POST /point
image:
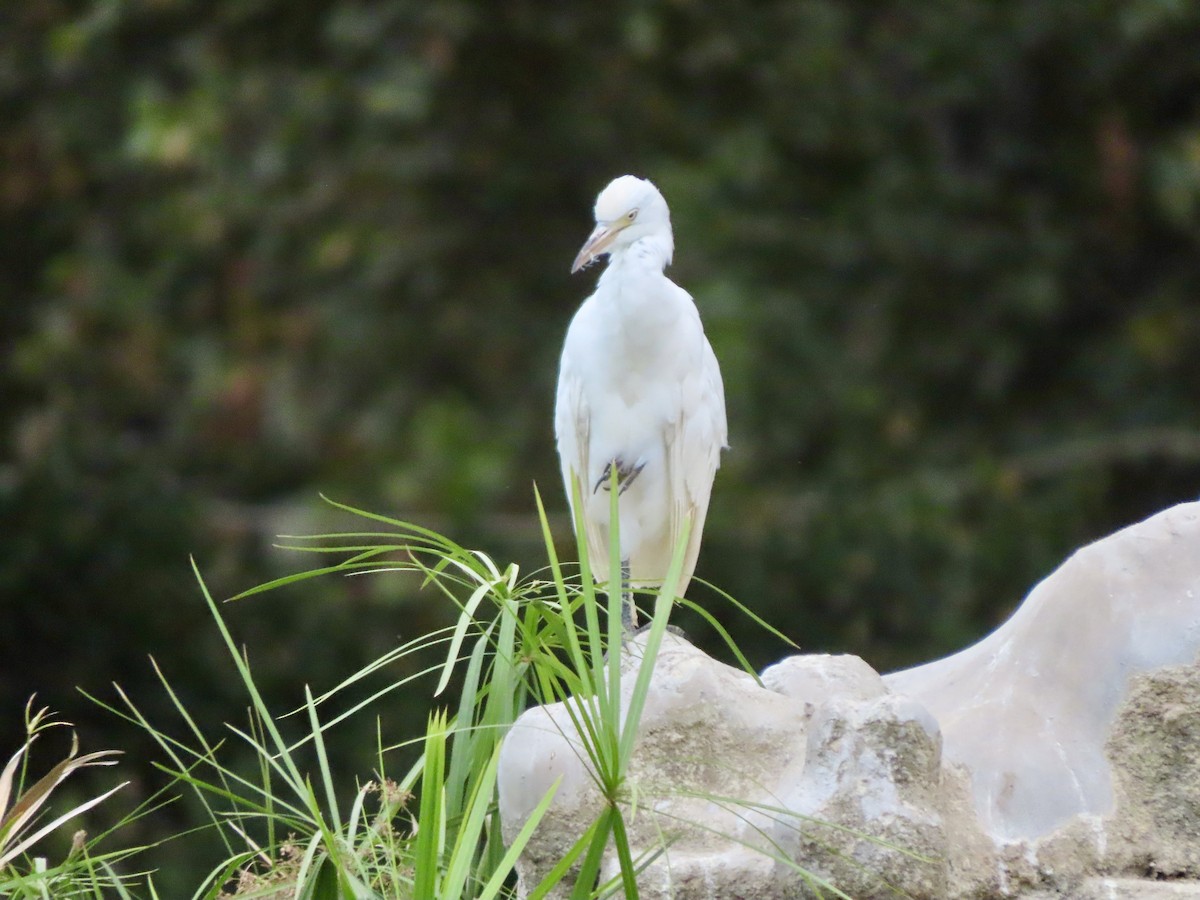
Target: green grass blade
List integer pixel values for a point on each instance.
(430, 824)
(463, 756)
(495, 884)
(658, 626)
(323, 761)
(594, 660)
(465, 618)
(725, 636)
(554, 877)
(248, 682)
(458, 867)
(624, 856)
(749, 613)
(589, 871)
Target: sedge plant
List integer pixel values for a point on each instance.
(432, 830)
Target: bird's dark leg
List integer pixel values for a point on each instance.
(627, 473)
(628, 610)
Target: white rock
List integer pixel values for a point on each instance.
(1028, 708)
(1061, 753)
(1125, 889)
(816, 678)
(706, 727)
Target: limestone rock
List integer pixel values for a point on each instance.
(540, 750)
(871, 784)
(1155, 751)
(1058, 757)
(706, 728)
(1027, 709)
(816, 678)
(1124, 889)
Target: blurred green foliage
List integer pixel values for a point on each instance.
(947, 254)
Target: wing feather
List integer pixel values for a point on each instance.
(694, 443)
(572, 428)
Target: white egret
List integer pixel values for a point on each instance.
(639, 390)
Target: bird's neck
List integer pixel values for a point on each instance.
(649, 254)
(634, 289)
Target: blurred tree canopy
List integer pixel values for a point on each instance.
(947, 254)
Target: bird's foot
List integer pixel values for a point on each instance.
(626, 474)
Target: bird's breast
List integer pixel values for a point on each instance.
(634, 345)
(629, 343)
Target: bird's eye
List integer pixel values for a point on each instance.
(631, 215)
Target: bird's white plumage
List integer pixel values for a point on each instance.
(639, 385)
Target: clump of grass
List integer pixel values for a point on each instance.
(433, 830)
(274, 880)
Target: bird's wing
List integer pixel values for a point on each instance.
(694, 444)
(572, 430)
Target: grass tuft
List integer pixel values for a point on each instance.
(432, 831)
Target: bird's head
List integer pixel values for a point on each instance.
(629, 209)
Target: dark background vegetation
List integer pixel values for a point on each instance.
(947, 254)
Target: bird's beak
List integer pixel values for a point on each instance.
(597, 243)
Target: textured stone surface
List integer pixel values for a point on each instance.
(1050, 678)
(1059, 757)
(706, 727)
(1155, 750)
(1123, 889)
